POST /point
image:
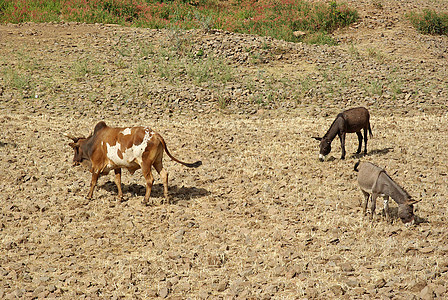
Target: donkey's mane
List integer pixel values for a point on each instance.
(398, 186)
(340, 115)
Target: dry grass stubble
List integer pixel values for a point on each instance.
(261, 217)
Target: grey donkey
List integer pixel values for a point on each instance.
(374, 181)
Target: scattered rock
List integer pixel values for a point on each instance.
(380, 283)
(163, 292)
(346, 267)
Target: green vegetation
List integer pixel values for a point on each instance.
(85, 67)
(276, 18)
(430, 22)
(16, 79)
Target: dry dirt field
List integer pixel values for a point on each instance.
(262, 217)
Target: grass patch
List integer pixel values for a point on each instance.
(320, 38)
(430, 22)
(198, 69)
(354, 52)
(275, 18)
(17, 80)
(85, 67)
(376, 54)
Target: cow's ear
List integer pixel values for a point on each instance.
(317, 138)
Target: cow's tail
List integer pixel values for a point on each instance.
(190, 165)
(356, 166)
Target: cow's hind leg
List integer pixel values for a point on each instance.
(149, 182)
(359, 142)
(93, 184)
(164, 176)
(118, 183)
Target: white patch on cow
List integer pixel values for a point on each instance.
(126, 131)
(131, 156)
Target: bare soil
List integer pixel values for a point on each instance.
(262, 217)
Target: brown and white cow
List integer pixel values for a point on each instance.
(133, 148)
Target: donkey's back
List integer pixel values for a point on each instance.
(368, 175)
(356, 119)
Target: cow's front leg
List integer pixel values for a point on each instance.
(118, 183)
(92, 184)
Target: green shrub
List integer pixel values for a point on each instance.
(275, 18)
(430, 22)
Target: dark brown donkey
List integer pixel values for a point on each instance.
(348, 121)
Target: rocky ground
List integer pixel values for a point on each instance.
(262, 217)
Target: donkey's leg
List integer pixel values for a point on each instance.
(386, 207)
(373, 205)
(366, 201)
(359, 142)
(342, 138)
(365, 142)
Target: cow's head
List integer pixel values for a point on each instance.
(76, 145)
(325, 147)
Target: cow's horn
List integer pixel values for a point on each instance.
(75, 139)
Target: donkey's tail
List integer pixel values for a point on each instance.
(190, 165)
(356, 166)
(370, 131)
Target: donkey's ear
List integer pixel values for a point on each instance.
(317, 138)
